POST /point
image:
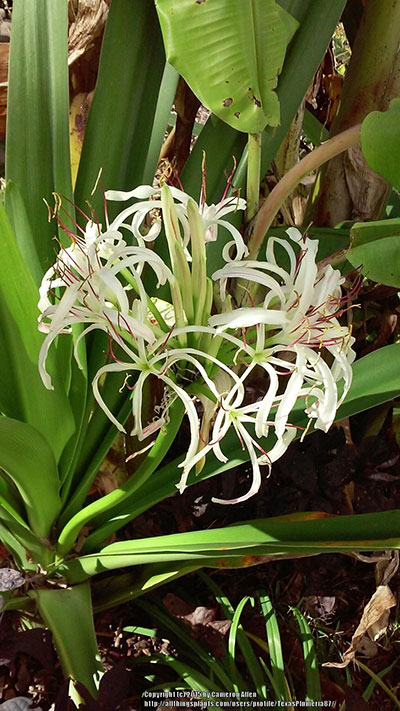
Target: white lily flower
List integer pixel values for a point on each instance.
(232, 413)
(295, 325)
(211, 216)
(93, 295)
(288, 333)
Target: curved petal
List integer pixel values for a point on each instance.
(246, 317)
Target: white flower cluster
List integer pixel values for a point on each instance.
(289, 329)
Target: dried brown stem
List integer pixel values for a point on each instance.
(287, 184)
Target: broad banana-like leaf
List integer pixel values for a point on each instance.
(318, 22)
(22, 393)
(231, 53)
(28, 460)
(378, 260)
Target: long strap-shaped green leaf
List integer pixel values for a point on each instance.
(247, 544)
(37, 146)
(22, 393)
(93, 454)
(21, 542)
(313, 684)
(68, 614)
(275, 648)
(120, 122)
(19, 219)
(124, 134)
(28, 460)
(157, 453)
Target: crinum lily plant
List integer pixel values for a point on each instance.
(206, 337)
(153, 321)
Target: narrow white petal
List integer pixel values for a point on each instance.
(280, 447)
(112, 368)
(246, 317)
(143, 192)
(263, 415)
(270, 253)
(291, 394)
(256, 482)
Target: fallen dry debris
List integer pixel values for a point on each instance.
(88, 18)
(205, 628)
(375, 618)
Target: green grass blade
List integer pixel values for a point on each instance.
(313, 684)
(187, 645)
(221, 598)
(372, 684)
(275, 648)
(377, 679)
(236, 635)
(37, 145)
(275, 688)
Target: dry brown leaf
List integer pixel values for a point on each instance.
(386, 568)
(88, 18)
(107, 481)
(373, 625)
(204, 627)
(176, 606)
